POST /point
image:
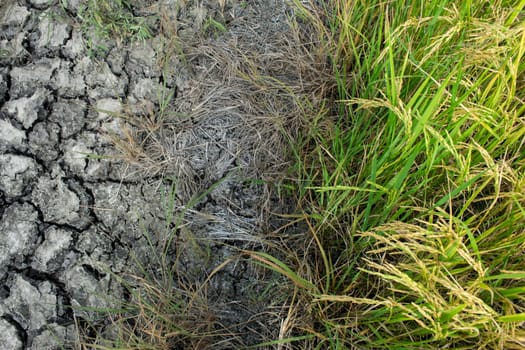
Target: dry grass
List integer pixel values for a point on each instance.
(156, 317)
(233, 120)
(244, 106)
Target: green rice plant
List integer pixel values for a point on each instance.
(414, 194)
(411, 124)
(440, 283)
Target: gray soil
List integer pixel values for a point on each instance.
(73, 222)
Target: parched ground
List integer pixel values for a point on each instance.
(103, 140)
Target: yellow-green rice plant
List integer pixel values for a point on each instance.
(415, 194)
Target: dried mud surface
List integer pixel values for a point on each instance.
(71, 220)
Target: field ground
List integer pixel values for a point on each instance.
(265, 174)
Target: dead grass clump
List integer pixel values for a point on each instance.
(253, 91)
(160, 318)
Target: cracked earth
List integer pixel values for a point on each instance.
(75, 212)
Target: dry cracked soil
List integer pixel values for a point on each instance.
(102, 140)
